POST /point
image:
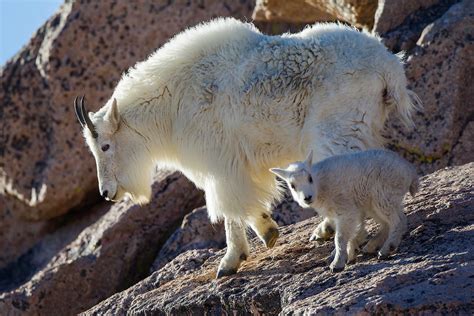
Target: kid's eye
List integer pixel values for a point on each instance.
(293, 186)
(310, 179)
(105, 147)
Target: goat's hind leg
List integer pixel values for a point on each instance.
(356, 240)
(397, 227)
(377, 241)
(237, 248)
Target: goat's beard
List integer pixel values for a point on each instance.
(136, 197)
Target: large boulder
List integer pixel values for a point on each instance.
(440, 69)
(432, 270)
(392, 13)
(95, 255)
(357, 12)
(16, 235)
(82, 49)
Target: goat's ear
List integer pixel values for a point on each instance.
(112, 115)
(281, 173)
(309, 159)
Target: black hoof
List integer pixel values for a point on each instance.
(271, 237)
(225, 272)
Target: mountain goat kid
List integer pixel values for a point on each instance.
(223, 103)
(349, 188)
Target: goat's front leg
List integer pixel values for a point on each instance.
(237, 248)
(265, 228)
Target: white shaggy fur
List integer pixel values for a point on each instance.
(349, 188)
(223, 103)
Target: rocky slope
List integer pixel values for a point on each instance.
(63, 250)
(433, 270)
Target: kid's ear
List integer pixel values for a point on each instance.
(309, 159)
(281, 173)
(112, 115)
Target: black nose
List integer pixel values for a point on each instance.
(308, 198)
(105, 194)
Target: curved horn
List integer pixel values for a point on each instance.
(79, 115)
(87, 119)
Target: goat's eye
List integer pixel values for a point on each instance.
(105, 147)
(310, 179)
(293, 186)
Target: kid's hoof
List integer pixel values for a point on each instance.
(271, 237)
(225, 272)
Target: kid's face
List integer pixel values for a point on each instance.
(302, 189)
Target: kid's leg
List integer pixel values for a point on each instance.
(345, 229)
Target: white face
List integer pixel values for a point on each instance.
(301, 187)
(299, 180)
(104, 149)
(116, 151)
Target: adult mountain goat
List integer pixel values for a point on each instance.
(223, 103)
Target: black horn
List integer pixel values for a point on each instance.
(83, 116)
(79, 116)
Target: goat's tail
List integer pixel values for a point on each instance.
(396, 94)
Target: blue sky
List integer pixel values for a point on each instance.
(19, 19)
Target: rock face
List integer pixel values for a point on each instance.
(391, 13)
(440, 69)
(357, 12)
(16, 235)
(103, 253)
(298, 11)
(432, 271)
